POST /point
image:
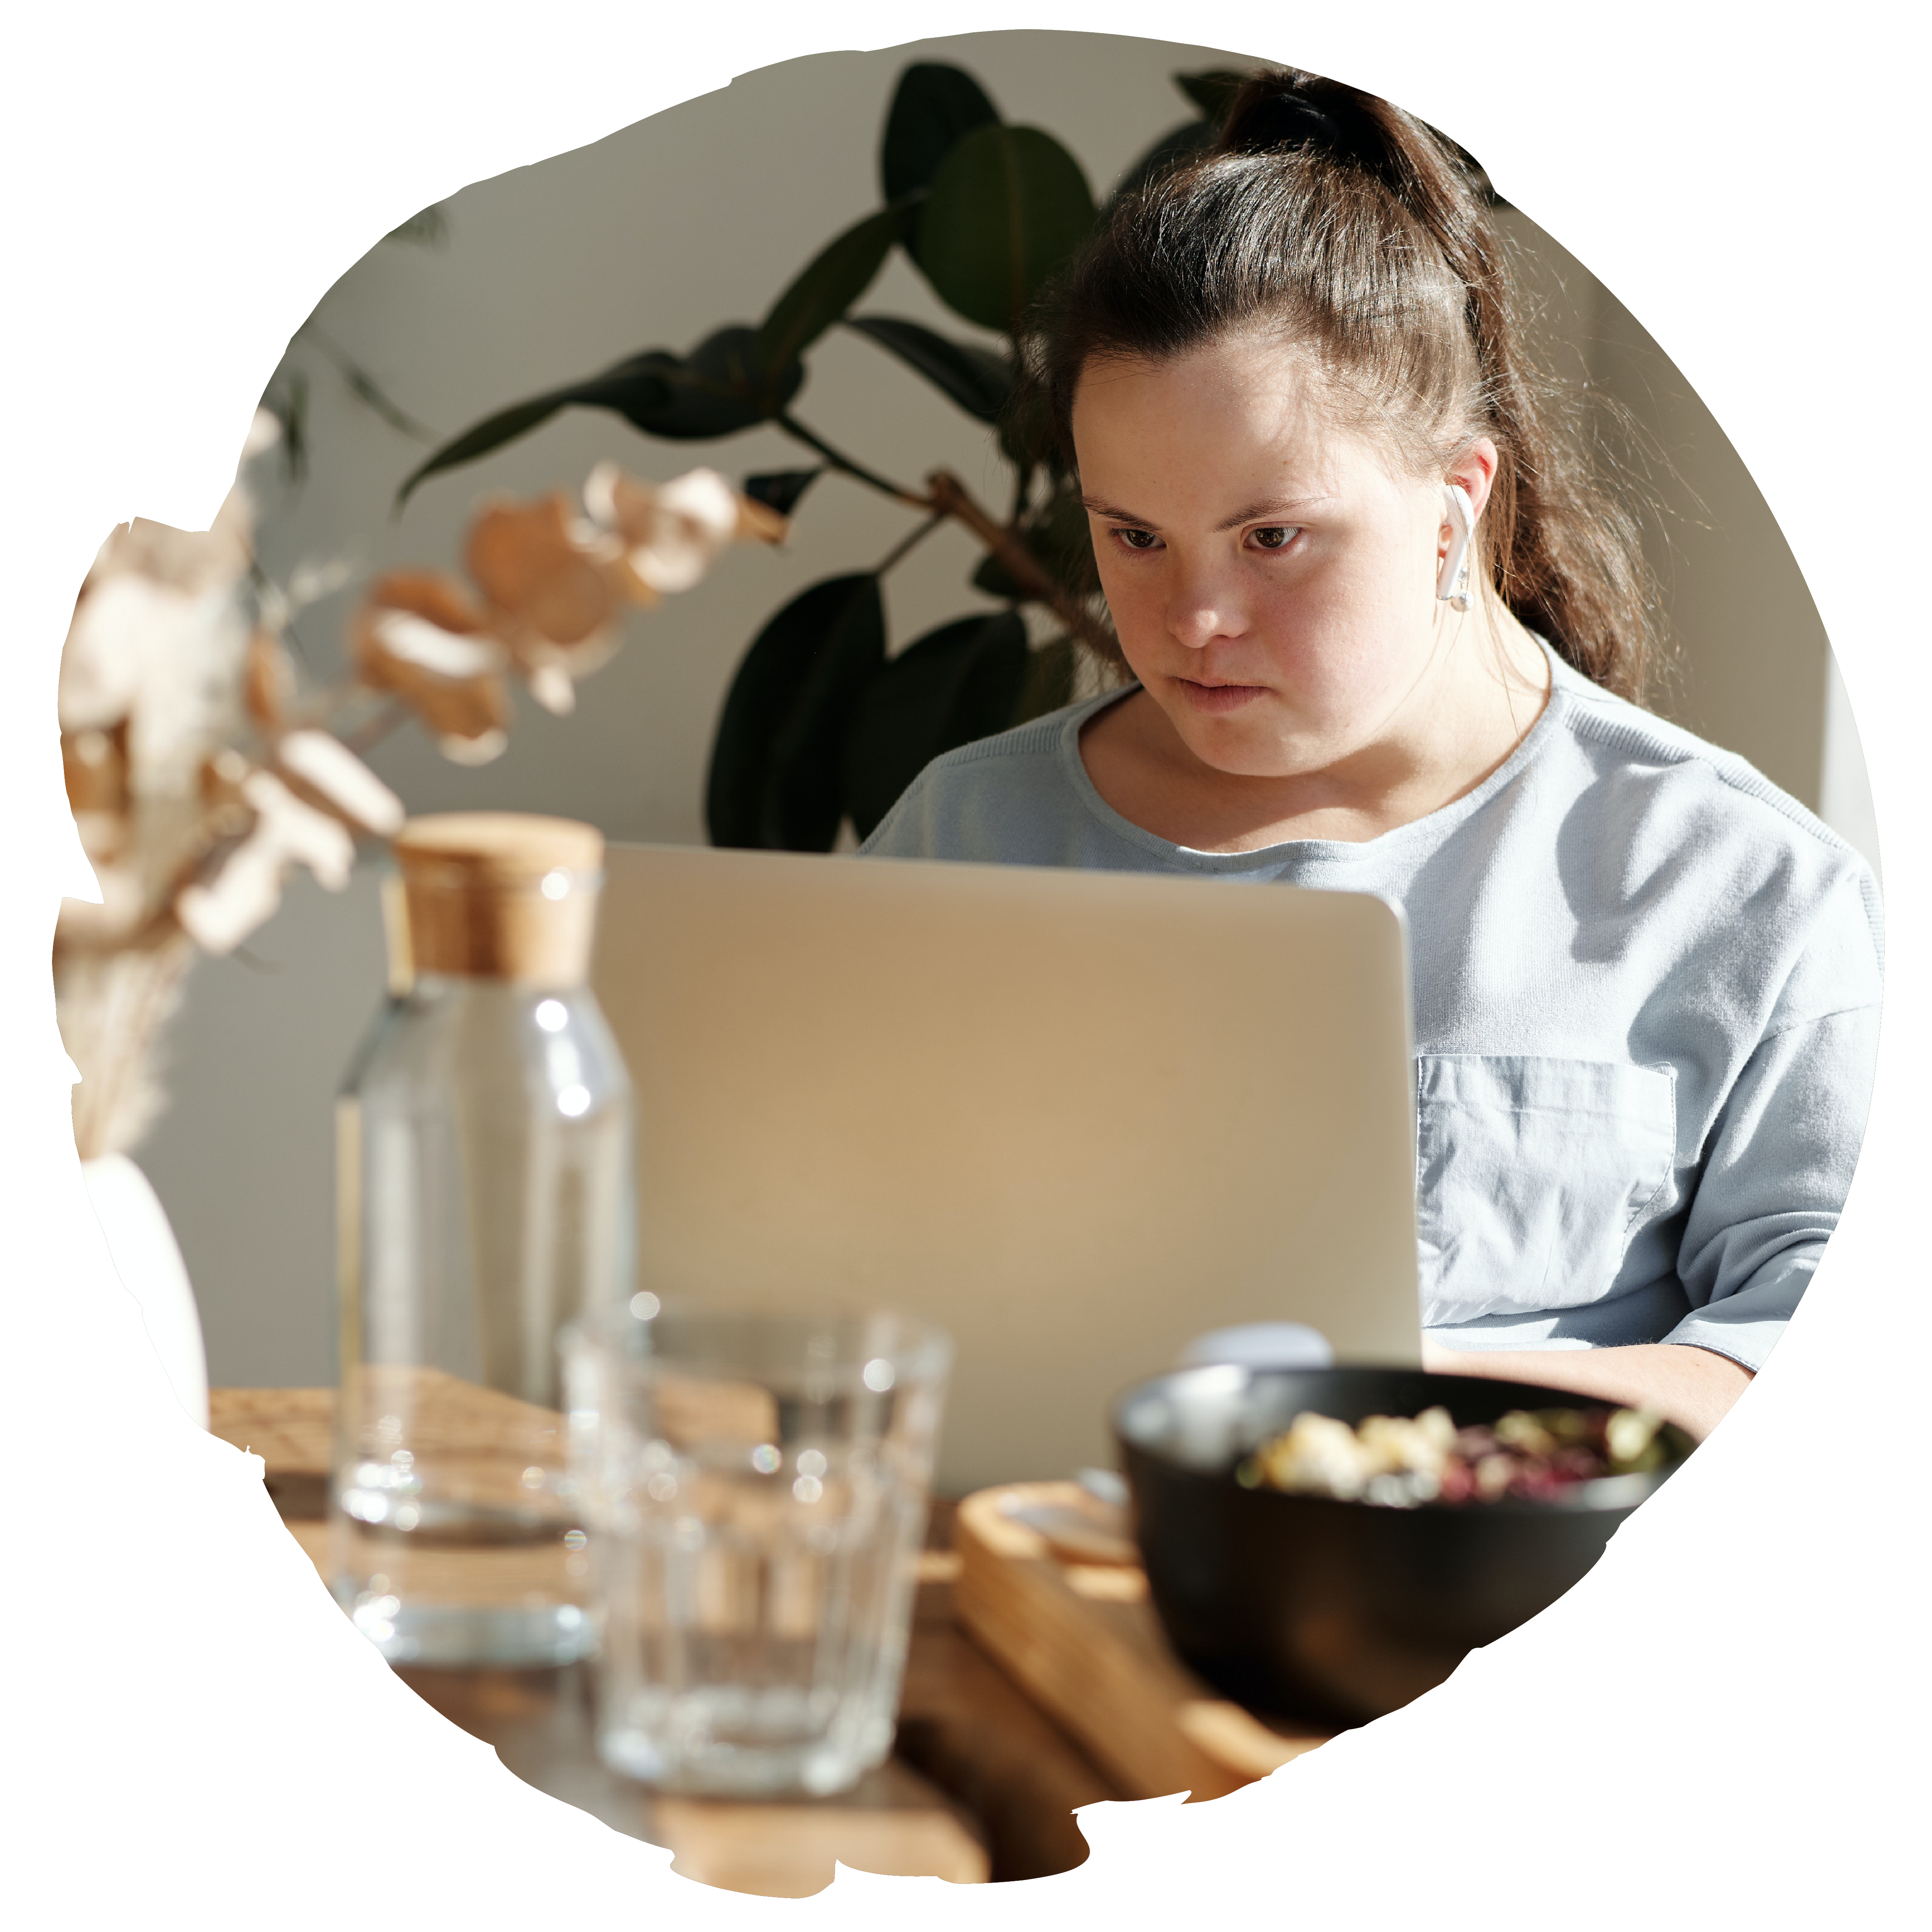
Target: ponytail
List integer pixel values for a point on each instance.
(1366, 236)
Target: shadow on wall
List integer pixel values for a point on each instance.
(554, 271)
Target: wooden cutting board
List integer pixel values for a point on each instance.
(1047, 1584)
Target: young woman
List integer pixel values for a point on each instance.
(1385, 634)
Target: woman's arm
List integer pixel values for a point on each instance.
(1693, 1387)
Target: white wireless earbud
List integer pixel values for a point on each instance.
(1452, 581)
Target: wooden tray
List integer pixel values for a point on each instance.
(1067, 1614)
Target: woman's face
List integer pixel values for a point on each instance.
(1272, 580)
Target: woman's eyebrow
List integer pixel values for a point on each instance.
(1274, 506)
(1107, 510)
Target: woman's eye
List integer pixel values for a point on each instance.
(1137, 539)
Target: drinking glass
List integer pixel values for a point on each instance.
(754, 1482)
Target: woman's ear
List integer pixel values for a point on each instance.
(1475, 470)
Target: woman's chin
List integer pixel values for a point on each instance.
(1236, 754)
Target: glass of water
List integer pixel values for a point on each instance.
(754, 1482)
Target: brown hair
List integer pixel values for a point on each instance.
(1363, 239)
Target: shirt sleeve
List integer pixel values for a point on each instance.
(1774, 1181)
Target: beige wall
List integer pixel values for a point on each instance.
(651, 238)
(1749, 666)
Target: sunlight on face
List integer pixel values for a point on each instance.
(1272, 578)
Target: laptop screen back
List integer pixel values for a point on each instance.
(1076, 1117)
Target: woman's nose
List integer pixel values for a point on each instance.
(1199, 611)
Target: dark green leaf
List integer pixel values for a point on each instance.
(835, 279)
(492, 433)
(775, 780)
(933, 108)
(1060, 536)
(805, 794)
(1007, 207)
(993, 577)
(428, 228)
(714, 391)
(718, 389)
(1177, 145)
(1213, 92)
(780, 490)
(959, 682)
(975, 378)
(289, 408)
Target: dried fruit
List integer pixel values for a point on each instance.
(1526, 1455)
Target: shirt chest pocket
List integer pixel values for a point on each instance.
(1530, 1175)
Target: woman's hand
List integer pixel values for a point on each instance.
(1693, 1387)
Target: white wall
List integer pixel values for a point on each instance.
(242, 1160)
(650, 238)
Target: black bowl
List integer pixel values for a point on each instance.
(1304, 1605)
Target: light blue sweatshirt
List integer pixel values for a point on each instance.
(1647, 988)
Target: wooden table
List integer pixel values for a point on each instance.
(1084, 1702)
(982, 1785)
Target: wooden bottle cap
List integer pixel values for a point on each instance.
(498, 895)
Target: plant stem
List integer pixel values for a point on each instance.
(375, 730)
(793, 428)
(365, 387)
(950, 496)
(909, 542)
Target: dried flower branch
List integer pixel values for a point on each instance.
(200, 774)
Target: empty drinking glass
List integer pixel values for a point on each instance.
(754, 1486)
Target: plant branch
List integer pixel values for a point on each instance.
(909, 542)
(365, 387)
(793, 428)
(950, 496)
(373, 730)
(319, 706)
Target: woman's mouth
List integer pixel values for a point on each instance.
(1216, 698)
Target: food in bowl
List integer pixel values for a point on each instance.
(1541, 1455)
(1312, 1606)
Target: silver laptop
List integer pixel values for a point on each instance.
(1077, 1118)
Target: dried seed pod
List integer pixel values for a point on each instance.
(324, 771)
(418, 634)
(222, 775)
(671, 533)
(268, 681)
(241, 886)
(95, 763)
(544, 571)
(555, 592)
(759, 523)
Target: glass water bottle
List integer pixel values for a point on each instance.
(484, 1200)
